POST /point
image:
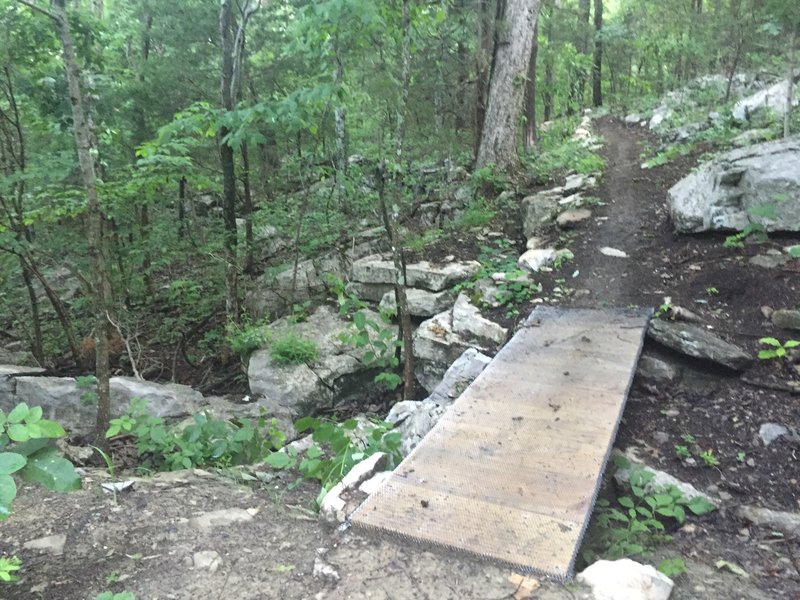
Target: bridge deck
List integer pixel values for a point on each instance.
(511, 471)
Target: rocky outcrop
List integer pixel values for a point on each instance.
(414, 419)
(64, 401)
(378, 269)
(773, 98)
(697, 342)
(421, 303)
(338, 372)
(757, 184)
(440, 340)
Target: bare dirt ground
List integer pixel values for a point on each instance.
(164, 538)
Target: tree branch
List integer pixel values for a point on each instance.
(38, 9)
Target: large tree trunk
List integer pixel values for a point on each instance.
(507, 85)
(597, 66)
(101, 283)
(486, 24)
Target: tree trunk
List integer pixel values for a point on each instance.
(582, 46)
(94, 223)
(226, 159)
(339, 128)
(507, 85)
(597, 65)
(787, 117)
(486, 18)
(249, 259)
(547, 96)
(530, 94)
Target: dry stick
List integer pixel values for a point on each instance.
(128, 350)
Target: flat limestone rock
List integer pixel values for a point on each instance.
(377, 269)
(696, 342)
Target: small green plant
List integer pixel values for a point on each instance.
(376, 337)
(477, 214)
(753, 231)
(246, 338)
(9, 565)
(672, 567)
(663, 310)
(488, 181)
(291, 349)
(635, 523)
(775, 349)
(682, 452)
(87, 383)
(712, 291)
(336, 450)
(117, 596)
(689, 438)
(207, 441)
(667, 155)
(708, 458)
(741, 456)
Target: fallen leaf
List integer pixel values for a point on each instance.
(733, 568)
(526, 586)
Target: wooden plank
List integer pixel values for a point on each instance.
(511, 471)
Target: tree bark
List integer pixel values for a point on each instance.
(530, 94)
(507, 85)
(101, 282)
(486, 19)
(547, 96)
(597, 65)
(228, 166)
(787, 116)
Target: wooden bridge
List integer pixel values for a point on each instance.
(512, 470)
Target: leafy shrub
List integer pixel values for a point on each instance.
(634, 524)
(246, 338)
(207, 441)
(26, 450)
(292, 349)
(478, 214)
(667, 155)
(336, 450)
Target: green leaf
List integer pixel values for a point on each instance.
(18, 414)
(8, 491)
(314, 452)
(625, 501)
(306, 423)
(18, 433)
(50, 470)
(278, 460)
(360, 320)
(11, 462)
(700, 506)
(791, 344)
(34, 415)
(770, 341)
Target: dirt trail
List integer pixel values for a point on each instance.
(148, 544)
(633, 220)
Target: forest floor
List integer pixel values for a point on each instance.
(162, 538)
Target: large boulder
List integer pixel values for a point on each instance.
(64, 401)
(8, 383)
(773, 97)
(539, 212)
(697, 342)
(378, 269)
(337, 373)
(757, 184)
